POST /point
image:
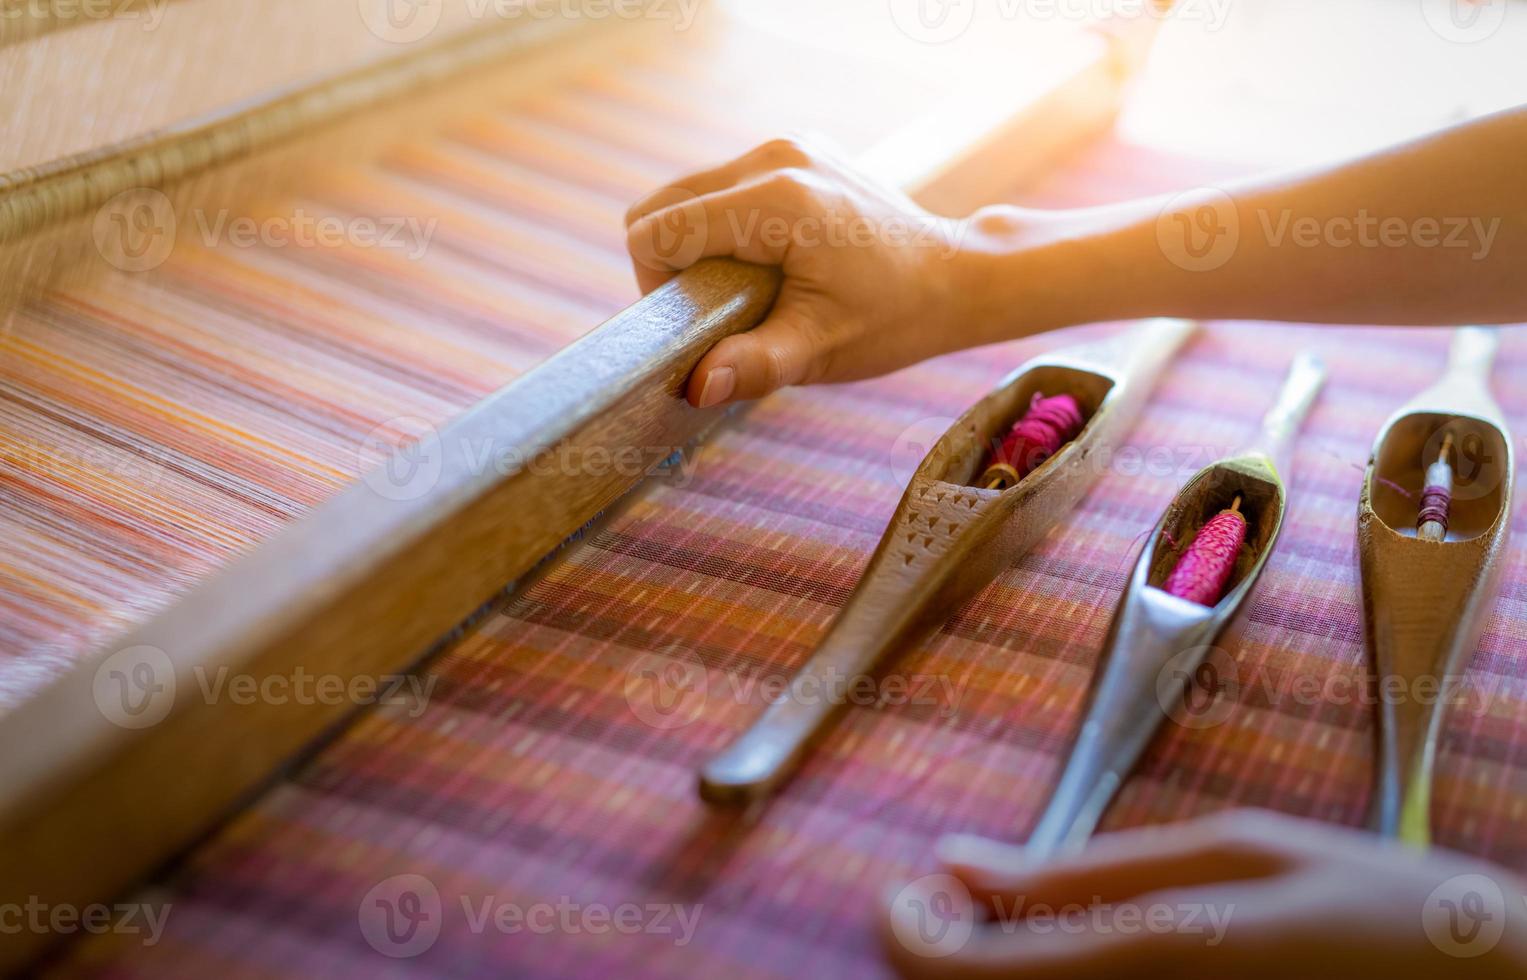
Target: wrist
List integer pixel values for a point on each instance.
(1027, 271)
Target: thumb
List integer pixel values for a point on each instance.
(787, 348)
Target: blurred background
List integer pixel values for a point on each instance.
(1241, 79)
(1265, 79)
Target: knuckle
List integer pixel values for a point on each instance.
(793, 186)
(1244, 832)
(776, 367)
(785, 151)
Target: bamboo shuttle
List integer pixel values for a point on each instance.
(1425, 603)
(1157, 641)
(948, 538)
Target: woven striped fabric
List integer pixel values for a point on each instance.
(156, 425)
(544, 775)
(538, 813)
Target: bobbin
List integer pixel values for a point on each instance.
(1157, 641)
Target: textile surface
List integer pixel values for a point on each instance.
(552, 766)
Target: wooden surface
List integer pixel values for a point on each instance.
(1425, 603)
(116, 70)
(949, 538)
(222, 160)
(34, 197)
(363, 585)
(1157, 641)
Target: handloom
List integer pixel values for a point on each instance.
(96, 791)
(535, 774)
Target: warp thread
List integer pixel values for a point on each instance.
(1205, 568)
(1045, 427)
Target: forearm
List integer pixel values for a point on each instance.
(1432, 232)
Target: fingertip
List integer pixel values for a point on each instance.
(981, 858)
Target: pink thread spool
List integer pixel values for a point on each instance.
(1048, 424)
(1204, 569)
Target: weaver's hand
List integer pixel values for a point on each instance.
(1244, 894)
(872, 282)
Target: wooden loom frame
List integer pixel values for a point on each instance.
(365, 583)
